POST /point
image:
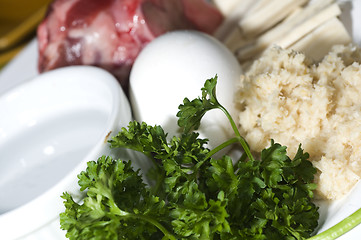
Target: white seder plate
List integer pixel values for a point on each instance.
(24, 67)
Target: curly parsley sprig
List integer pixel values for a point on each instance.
(191, 113)
(195, 196)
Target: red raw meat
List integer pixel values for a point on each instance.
(111, 33)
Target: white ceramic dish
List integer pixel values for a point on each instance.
(330, 213)
(54, 124)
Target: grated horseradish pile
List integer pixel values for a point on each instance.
(286, 97)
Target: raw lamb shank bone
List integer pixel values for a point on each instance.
(111, 33)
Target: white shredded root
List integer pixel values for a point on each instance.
(285, 97)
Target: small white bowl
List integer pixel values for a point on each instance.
(50, 127)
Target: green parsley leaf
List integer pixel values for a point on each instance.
(194, 196)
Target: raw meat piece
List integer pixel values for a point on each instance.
(111, 33)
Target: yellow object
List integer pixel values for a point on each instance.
(18, 19)
(8, 55)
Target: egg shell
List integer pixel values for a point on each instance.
(176, 65)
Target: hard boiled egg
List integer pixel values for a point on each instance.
(175, 66)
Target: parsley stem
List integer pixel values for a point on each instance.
(221, 146)
(340, 228)
(159, 182)
(238, 135)
(119, 212)
(155, 223)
